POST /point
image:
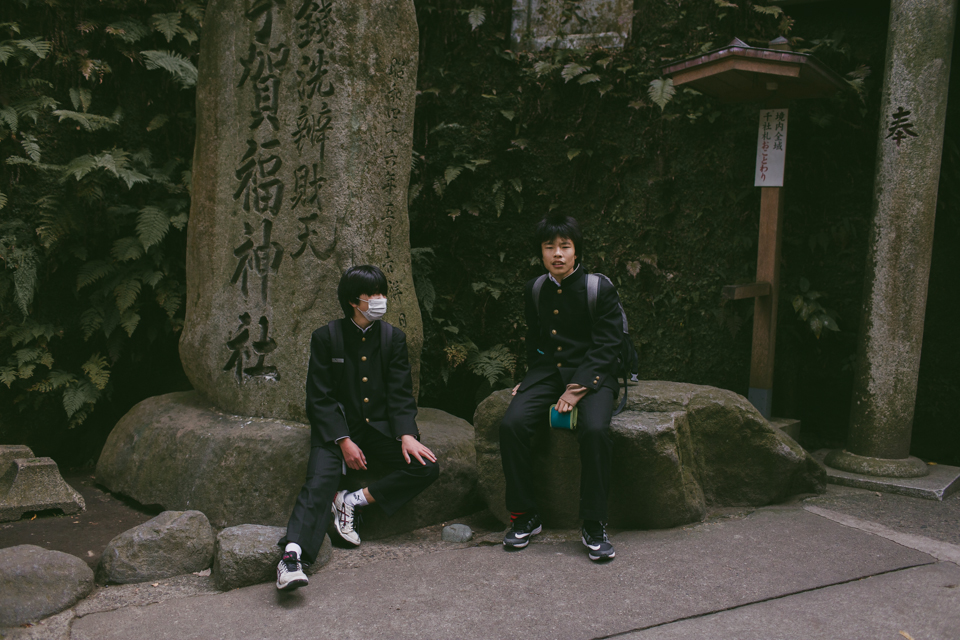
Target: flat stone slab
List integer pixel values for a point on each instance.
(34, 484)
(919, 601)
(658, 577)
(942, 481)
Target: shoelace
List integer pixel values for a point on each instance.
(290, 563)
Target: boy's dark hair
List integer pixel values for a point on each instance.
(365, 279)
(558, 225)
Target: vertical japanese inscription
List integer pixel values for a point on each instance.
(264, 200)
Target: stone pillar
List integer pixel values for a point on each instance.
(913, 109)
(302, 160)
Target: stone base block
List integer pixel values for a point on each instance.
(34, 484)
(677, 448)
(909, 467)
(180, 452)
(248, 554)
(941, 481)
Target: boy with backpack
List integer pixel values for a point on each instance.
(575, 334)
(361, 409)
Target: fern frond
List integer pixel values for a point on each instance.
(58, 378)
(476, 17)
(8, 375)
(3, 200)
(152, 225)
(8, 116)
(30, 147)
(81, 98)
(166, 23)
(451, 174)
(129, 321)
(98, 371)
(88, 121)
(571, 70)
(128, 248)
(37, 46)
(661, 92)
(493, 364)
(178, 66)
(158, 121)
(92, 271)
(126, 293)
(90, 321)
(25, 280)
(128, 30)
(34, 107)
(77, 394)
(27, 355)
(194, 10)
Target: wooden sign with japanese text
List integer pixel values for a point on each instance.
(771, 148)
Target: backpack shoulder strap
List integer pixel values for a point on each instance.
(593, 290)
(537, 285)
(386, 347)
(336, 355)
(336, 339)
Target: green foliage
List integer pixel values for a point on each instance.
(659, 177)
(93, 204)
(810, 311)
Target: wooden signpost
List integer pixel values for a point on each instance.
(772, 76)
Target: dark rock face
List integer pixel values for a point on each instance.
(36, 583)
(304, 138)
(173, 543)
(180, 452)
(677, 449)
(248, 554)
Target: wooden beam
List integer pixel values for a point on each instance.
(741, 291)
(768, 270)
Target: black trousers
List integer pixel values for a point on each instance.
(527, 414)
(311, 513)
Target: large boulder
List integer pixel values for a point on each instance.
(741, 459)
(248, 554)
(172, 544)
(677, 448)
(36, 583)
(178, 451)
(454, 494)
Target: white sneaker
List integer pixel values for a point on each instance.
(343, 520)
(290, 573)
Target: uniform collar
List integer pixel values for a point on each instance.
(361, 330)
(572, 277)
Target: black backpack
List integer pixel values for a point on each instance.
(593, 291)
(336, 359)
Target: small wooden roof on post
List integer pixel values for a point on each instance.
(773, 76)
(741, 73)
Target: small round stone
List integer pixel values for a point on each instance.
(456, 533)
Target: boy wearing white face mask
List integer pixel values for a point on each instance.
(361, 410)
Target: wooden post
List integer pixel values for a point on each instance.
(765, 307)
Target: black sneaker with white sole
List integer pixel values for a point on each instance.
(290, 573)
(524, 527)
(594, 538)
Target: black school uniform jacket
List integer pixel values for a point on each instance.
(563, 337)
(364, 394)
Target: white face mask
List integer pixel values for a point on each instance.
(376, 308)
